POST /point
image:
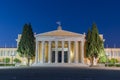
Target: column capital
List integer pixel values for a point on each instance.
(50, 42)
(56, 40)
(43, 41)
(83, 40)
(36, 40)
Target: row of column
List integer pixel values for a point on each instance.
(56, 52)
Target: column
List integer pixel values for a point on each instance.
(76, 49)
(42, 52)
(36, 56)
(74, 52)
(62, 51)
(82, 51)
(69, 49)
(38, 51)
(56, 51)
(49, 53)
(114, 54)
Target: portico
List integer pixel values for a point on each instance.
(59, 46)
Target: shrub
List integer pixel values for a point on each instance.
(117, 65)
(113, 61)
(102, 59)
(110, 65)
(16, 60)
(6, 60)
(7, 64)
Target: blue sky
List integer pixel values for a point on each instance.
(75, 15)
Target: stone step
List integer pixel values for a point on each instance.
(60, 64)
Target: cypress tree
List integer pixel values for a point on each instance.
(95, 41)
(94, 44)
(88, 43)
(26, 46)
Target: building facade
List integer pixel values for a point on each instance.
(113, 53)
(58, 46)
(12, 54)
(7, 53)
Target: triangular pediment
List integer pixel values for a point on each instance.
(59, 33)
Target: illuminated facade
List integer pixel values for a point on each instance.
(113, 53)
(8, 53)
(58, 46)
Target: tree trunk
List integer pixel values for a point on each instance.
(94, 61)
(91, 61)
(24, 62)
(28, 61)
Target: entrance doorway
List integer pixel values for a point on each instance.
(65, 56)
(59, 56)
(53, 56)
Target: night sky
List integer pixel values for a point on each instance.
(75, 15)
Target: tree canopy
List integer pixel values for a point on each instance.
(26, 46)
(88, 43)
(94, 43)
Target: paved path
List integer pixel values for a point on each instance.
(59, 73)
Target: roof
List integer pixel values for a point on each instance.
(59, 32)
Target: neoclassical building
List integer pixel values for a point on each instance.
(8, 53)
(113, 53)
(58, 46)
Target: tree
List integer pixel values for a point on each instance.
(26, 46)
(102, 56)
(94, 44)
(88, 43)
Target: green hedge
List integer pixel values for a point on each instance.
(6, 60)
(113, 61)
(7, 64)
(117, 65)
(16, 60)
(112, 65)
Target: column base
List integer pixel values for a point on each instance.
(76, 62)
(82, 62)
(69, 62)
(35, 62)
(56, 62)
(49, 62)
